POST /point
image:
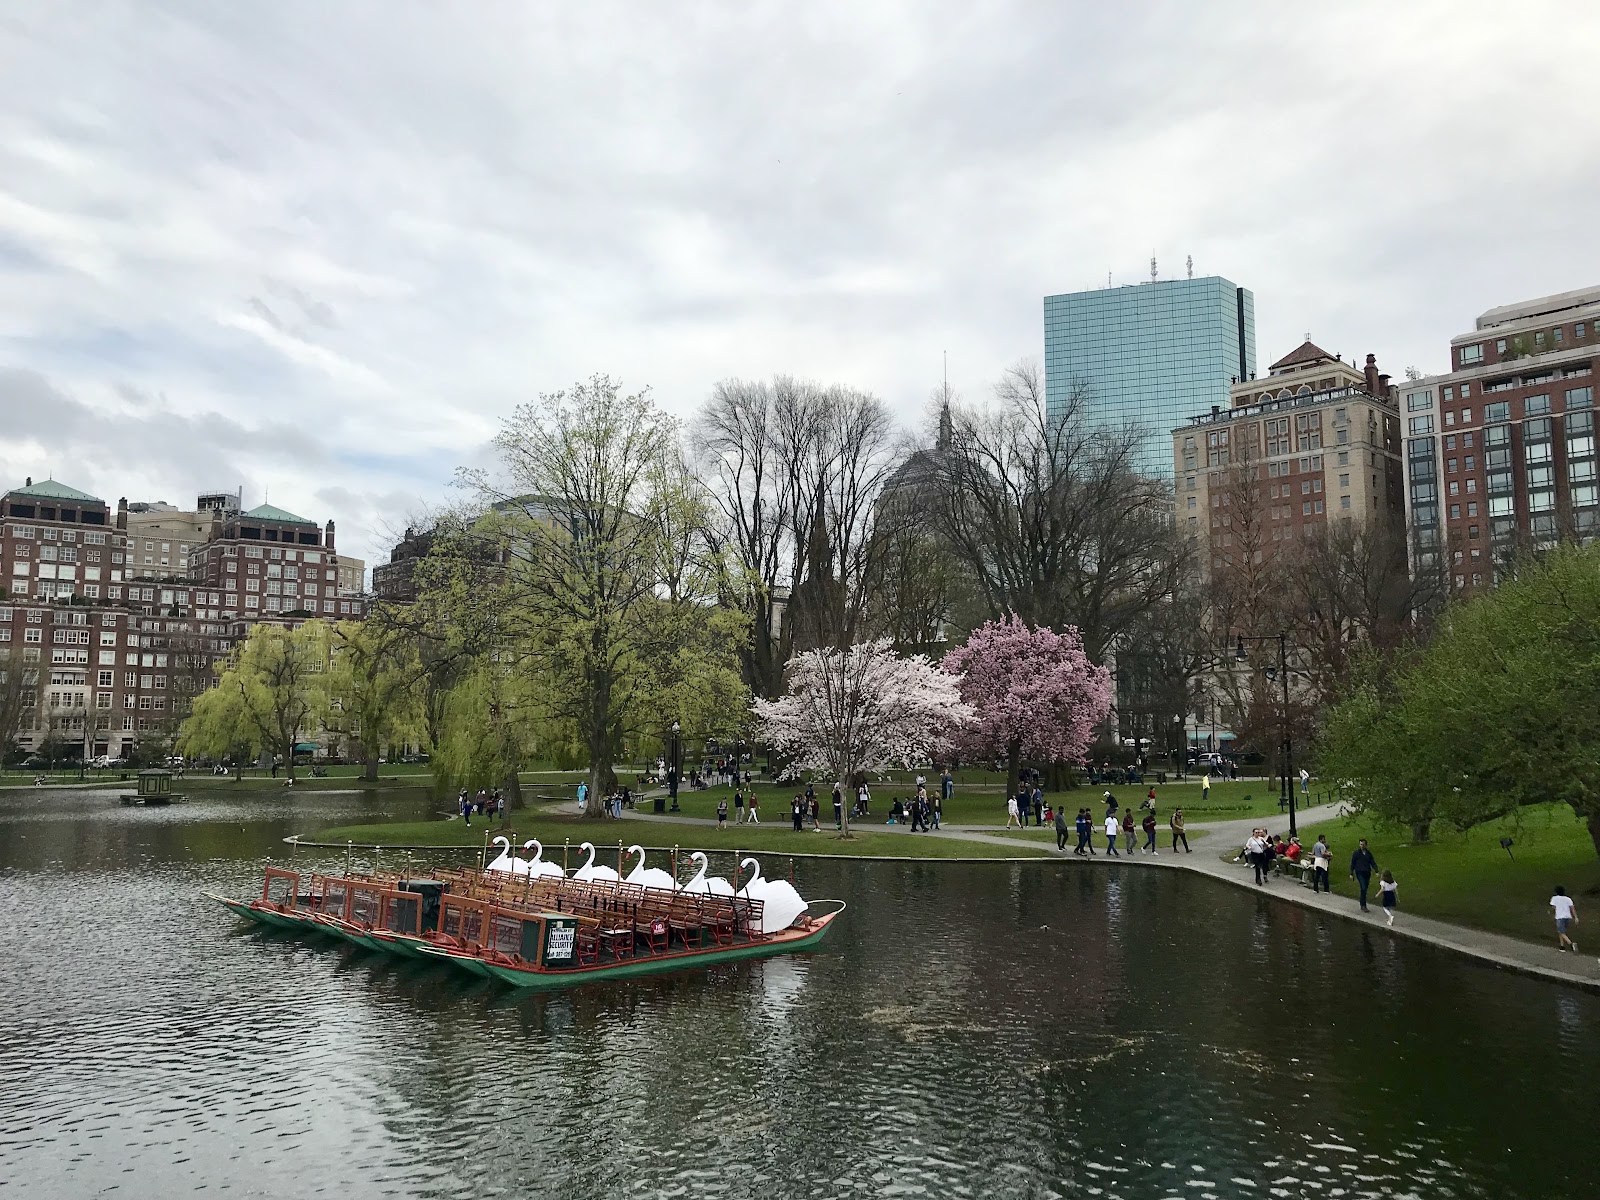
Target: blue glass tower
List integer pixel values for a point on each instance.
(1153, 355)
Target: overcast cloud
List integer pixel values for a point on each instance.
(322, 248)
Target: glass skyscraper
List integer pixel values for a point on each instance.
(1151, 355)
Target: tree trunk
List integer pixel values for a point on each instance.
(513, 790)
(1013, 765)
(370, 759)
(1593, 820)
(1419, 829)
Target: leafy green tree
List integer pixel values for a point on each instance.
(271, 692)
(374, 688)
(580, 586)
(1500, 711)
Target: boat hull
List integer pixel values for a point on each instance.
(659, 963)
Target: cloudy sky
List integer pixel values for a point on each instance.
(319, 249)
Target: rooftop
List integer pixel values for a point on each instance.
(266, 512)
(1305, 352)
(49, 489)
(1543, 306)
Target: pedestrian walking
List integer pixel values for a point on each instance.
(816, 813)
(1305, 781)
(1205, 787)
(1390, 894)
(1362, 865)
(1257, 851)
(738, 806)
(1149, 826)
(466, 808)
(583, 795)
(722, 813)
(947, 785)
(1111, 834)
(1566, 917)
(750, 809)
(1011, 813)
(1175, 823)
(1128, 828)
(1321, 859)
(1024, 802)
(919, 811)
(864, 799)
(937, 809)
(1061, 829)
(838, 806)
(797, 811)
(1038, 805)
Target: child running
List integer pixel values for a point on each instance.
(1390, 892)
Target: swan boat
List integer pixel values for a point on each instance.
(534, 931)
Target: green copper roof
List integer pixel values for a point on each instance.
(266, 512)
(49, 489)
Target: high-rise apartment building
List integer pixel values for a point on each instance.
(1501, 450)
(268, 562)
(1150, 356)
(1315, 440)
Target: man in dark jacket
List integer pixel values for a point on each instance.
(1061, 828)
(1362, 867)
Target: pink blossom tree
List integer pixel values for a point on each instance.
(864, 708)
(1034, 691)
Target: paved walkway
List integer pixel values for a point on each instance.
(1223, 837)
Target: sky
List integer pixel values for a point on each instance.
(320, 250)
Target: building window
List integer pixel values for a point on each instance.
(1466, 390)
(1496, 412)
(1500, 345)
(1420, 425)
(1580, 397)
(1416, 401)
(1470, 354)
(1344, 501)
(1538, 338)
(1536, 406)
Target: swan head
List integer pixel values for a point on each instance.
(589, 846)
(639, 850)
(503, 842)
(536, 845)
(754, 866)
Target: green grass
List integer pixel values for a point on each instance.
(985, 804)
(1468, 879)
(1163, 839)
(555, 831)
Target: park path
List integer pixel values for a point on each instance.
(1214, 858)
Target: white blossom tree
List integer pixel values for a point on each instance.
(864, 708)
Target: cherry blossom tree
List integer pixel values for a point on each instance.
(864, 708)
(1034, 692)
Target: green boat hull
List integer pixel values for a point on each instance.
(653, 965)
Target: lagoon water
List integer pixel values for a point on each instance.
(987, 1030)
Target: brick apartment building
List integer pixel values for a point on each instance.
(117, 655)
(1500, 452)
(1313, 440)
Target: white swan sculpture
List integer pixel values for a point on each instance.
(504, 861)
(650, 877)
(592, 873)
(780, 903)
(536, 866)
(700, 884)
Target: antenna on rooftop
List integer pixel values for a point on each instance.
(1152, 266)
(1189, 264)
(1108, 278)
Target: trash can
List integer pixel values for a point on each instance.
(660, 804)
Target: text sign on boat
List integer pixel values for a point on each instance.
(560, 941)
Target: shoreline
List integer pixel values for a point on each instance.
(1492, 949)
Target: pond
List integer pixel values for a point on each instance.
(1023, 1030)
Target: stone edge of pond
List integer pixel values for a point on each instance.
(684, 848)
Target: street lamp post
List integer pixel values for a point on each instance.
(1279, 674)
(674, 768)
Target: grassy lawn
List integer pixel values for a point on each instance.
(1468, 879)
(985, 804)
(556, 831)
(1163, 840)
